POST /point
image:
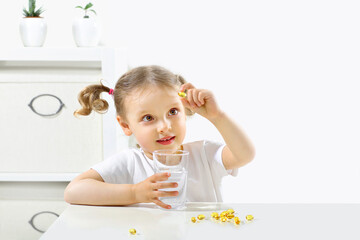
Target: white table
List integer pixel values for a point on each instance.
(272, 221)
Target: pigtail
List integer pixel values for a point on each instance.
(89, 98)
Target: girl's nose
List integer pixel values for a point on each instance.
(164, 126)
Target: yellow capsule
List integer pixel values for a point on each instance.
(224, 214)
(249, 217)
(201, 217)
(231, 211)
(132, 231)
(237, 220)
(182, 94)
(215, 215)
(230, 216)
(223, 219)
(193, 219)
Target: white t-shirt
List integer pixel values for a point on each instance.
(205, 169)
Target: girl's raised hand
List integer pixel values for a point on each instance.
(201, 101)
(147, 190)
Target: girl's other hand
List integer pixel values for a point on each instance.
(201, 101)
(148, 190)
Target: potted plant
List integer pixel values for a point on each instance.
(33, 28)
(86, 31)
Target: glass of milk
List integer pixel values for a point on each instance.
(175, 163)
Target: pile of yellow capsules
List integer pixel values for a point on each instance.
(225, 216)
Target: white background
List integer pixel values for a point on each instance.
(287, 71)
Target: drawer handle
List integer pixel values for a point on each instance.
(46, 115)
(31, 222)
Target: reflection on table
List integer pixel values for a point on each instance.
(271, 221)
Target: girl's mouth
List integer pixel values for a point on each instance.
(166, 141)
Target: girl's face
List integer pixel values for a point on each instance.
(156, 117)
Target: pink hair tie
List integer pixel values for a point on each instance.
(111, 92)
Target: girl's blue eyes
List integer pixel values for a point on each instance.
(148, 118)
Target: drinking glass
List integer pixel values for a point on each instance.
(174, 162)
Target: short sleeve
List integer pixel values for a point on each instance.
(213, 150)
(114, 169)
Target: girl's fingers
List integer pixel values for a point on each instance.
(166, 193)
(185, 102)
(159, 177)
(188, 101)
(190, 98)
(186, 86)
(162, 185)
(195, 97)
(161, 204)
(201, 98)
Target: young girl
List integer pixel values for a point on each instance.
(148, 105)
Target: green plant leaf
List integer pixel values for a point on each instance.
(31, 7)
(89, 5)
(38, 12)
(80, 7)
(26, 13)
(32, 12)
(93, 11)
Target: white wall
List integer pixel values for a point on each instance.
(287, 71)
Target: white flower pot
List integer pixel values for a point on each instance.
(86, 32)
(33, 31)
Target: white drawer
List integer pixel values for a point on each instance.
(34, 143)
(15, 216)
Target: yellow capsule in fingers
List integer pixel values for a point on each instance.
(237, 220)
(182, 94)
(193, 219)
(201, 217)
(132, 231)
(249, 217)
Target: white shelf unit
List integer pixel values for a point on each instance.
(104, 55)
(40, 155)
(113, 63)
(37, 177)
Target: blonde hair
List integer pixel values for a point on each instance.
(137, 78)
